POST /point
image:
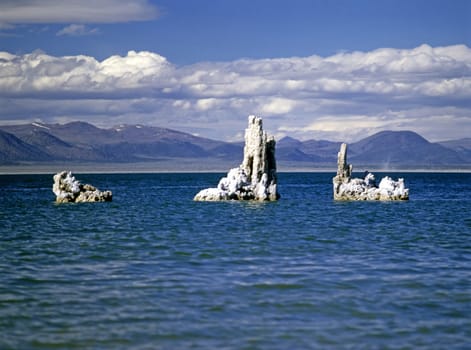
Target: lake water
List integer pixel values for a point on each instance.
(155, 270)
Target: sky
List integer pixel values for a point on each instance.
(312, 69)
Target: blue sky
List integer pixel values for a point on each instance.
(312, 69)
(192, 31)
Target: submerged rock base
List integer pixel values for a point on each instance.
(346, 188)
(255, 178)
(69, 190)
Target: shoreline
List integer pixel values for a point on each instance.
(192, 167)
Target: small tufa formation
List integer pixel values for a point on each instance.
(255, 178)
(68, 189)
(346, 188)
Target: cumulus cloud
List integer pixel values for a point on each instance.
(75, 11)
(345, 96)
(278, 105)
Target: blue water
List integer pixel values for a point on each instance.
(155, 270)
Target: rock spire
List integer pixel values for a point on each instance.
(255, 178)
(347, 188)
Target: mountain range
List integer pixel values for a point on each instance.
(83, 142)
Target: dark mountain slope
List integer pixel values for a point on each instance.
(13, 149)
(291, 149)
(324, 149)
(58, 149)
(461, 146)
(401, 148)
(83, 142)
(82, 133)
(228, 151)
(457, 144)
(126, 151)
(289, 142)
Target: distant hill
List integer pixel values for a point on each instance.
(386, 149)
(402, 148)
(290, 149)
(83, 142)
(461, 146)
(316, 151)
(13, 149)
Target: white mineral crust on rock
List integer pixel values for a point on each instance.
(346, 188)
(255, 178)
(68, 189)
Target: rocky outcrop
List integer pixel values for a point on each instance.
(347, 188)
(255, 178)
(68, 189)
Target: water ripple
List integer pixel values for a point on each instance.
(153, 269)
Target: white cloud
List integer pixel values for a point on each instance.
(77, 30)
(278, 106)
(206, 104)
(348, 95)
(75, 11)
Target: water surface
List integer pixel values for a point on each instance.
(155, 270)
